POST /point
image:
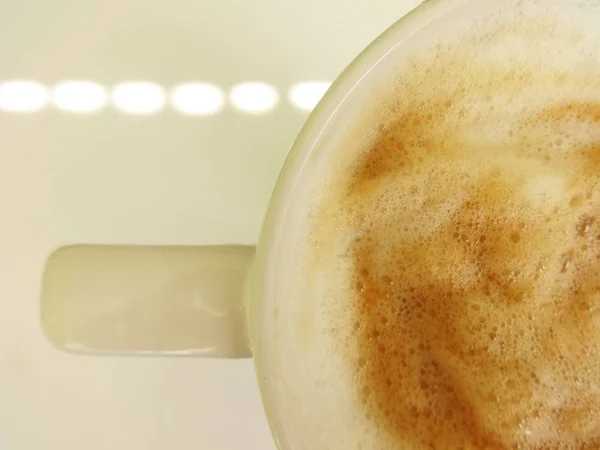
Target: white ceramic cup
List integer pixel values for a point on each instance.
(219, 301)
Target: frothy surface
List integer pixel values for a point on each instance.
(465, 231)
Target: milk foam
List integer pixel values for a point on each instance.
(447, 294)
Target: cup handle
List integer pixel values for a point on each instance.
(147, 300)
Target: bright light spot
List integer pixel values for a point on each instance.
(79, 96)
(197, 99)
(139, 97)
(23, 96)
(254, 98)
(305, 96)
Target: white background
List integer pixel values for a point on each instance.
(164, 178)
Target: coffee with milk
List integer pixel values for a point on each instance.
(446, 284)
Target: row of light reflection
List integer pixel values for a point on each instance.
(145, 97)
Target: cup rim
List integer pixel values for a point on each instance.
(303, 147)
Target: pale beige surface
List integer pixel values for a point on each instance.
(162, 179)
